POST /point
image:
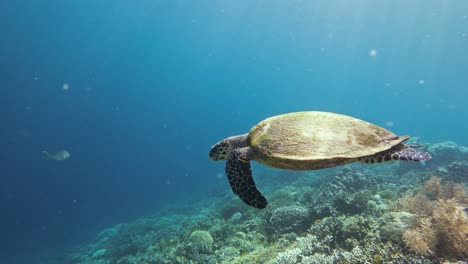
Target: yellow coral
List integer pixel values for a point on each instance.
(377, 259)
(433, 188)
(452, 223)
(443, 225)
(421, 239)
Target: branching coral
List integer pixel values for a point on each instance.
(442, 229)
(421, 239)
(324, 244)
(451, 222)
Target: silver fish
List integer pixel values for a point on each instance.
(59, 155)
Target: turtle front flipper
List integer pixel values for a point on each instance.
(240, 177)
(399, 152)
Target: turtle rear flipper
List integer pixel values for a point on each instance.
(410, 154)
(399, 152)
(240, 177)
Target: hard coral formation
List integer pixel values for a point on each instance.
(349, 214)
(201, 241)
(446, 152)
(324, 244)
(289, 219)
(456, 171)
(99, 253)
(347, 192)
(392, 225)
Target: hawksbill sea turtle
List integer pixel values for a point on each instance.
(309, 140)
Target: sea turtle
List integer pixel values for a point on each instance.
(307, 141)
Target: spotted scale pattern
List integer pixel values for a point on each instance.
(399, 152)
(220, 150)
(240, 177)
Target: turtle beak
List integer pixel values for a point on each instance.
(213, 153)
(219, 151)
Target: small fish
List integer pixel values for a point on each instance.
(59, 155)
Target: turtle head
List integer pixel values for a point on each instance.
(220, 150)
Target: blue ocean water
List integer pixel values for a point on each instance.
(138, 91)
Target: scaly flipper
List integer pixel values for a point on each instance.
(399, 152)
(240, 177)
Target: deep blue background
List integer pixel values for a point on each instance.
(155, 83)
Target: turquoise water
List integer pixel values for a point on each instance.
(138, 91)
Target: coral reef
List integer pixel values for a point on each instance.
(392, 225)
(446, 152)
(289, 219)
(201, 242)
(442, 226)
(326, 242)
(390, 213)
(349, 191)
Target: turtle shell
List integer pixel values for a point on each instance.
(316, 140)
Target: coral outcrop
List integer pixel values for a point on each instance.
(201, 242)
(392, 225)
(289, 219)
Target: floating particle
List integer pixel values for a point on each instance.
(464, 35)
(373, 52)
(36, 78)
(389, 123)
(66, 87)
(421, 82)
(219, 175)
(387, 84)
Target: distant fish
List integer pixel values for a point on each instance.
(59, 155)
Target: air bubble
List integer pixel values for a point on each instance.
(66, 87)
